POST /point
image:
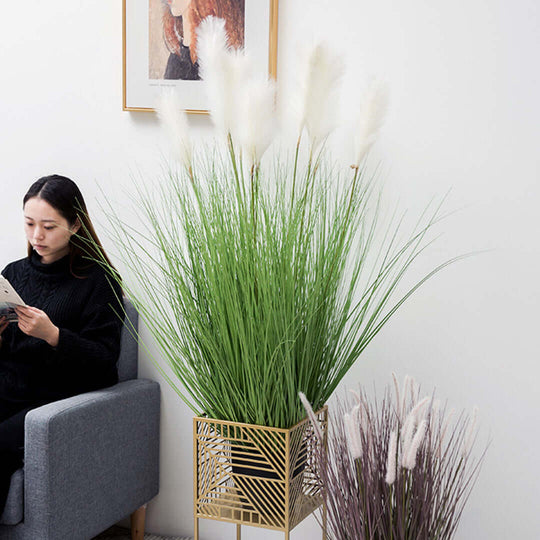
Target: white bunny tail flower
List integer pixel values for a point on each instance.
(409, 460)
(356, 396)
(320, 106)
(436, 409)
(415, 390)
(470, 434)
(419, 409)
(396, 389)
(312, 416)
(391, 461)
(404, 392)
(257, 121)
(173, 118)
(407, 435)
(445, 423)
(373, 106)
(356, 413)
(352, 429)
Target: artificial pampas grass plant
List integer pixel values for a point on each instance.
(176, 126)
(220, 70)
(318, 100)
(369, 118)
(396, 469)
(262, 275)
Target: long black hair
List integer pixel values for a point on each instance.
(66, 198)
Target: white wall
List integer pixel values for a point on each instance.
(465, 115)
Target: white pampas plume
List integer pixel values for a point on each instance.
(352, 429)
(242, 82)
(470, 434)
(311, 415)
(409, 459)
(256, 119)
(319, 105)
(174, 120)
(391, 462)
(373, 106)
(217, 72)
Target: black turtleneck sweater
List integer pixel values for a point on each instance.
(85, 309)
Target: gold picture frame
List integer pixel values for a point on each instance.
(141, 82)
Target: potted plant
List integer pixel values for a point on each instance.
(259, 278)
(399, 467)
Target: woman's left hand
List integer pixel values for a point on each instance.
(36, 323)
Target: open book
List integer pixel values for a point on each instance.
(9, 300)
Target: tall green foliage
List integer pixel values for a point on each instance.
(257, 281)
(257, 284)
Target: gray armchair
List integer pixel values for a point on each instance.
(89, 460)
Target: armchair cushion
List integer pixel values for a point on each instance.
(13, 511)
(90, 460)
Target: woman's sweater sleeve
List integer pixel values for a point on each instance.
(3, 342)
(97, 344)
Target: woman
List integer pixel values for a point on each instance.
(67, 338)
(180, 21)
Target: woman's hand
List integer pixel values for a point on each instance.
(36, 323)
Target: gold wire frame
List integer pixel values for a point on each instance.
(255, 475)
(272, 57)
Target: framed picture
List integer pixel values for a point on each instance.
(160, 45)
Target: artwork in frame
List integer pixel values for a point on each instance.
(160, 45)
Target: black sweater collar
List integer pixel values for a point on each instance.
(61, 266)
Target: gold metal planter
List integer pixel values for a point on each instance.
(255, 475)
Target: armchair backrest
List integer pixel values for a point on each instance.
(127, 361)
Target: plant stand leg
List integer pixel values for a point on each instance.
(287, 535)
(324, 517)
(196, 529)
(238, 531)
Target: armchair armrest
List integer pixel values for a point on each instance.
(91, 460)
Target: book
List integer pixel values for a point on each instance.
(9, 300)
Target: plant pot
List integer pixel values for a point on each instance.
(248, 469)
(255, 475)
(245, 462)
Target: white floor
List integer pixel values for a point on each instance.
(119, 533)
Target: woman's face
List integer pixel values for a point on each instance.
(179, 7)
(47, 230)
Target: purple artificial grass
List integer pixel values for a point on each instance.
(424, 502)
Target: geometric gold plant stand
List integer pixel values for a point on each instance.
(255, 475)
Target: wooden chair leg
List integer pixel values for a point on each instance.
(137, 523)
